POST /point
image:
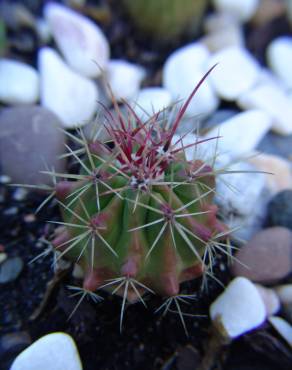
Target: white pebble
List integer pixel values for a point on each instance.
(279, 58)
(283, 328)
(270, 299)
(71, 96)
(151, 100)
(285, 293)
(124, 79)
(56, 351)
(238, 309)
(19, 82)
(81, 41)
(181, 73)
(240, 134)
(273, 100)
(241, 9)
(236, 72)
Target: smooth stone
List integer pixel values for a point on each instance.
(227, 37)
(280, 210)
(270, 299)
(279, 168)
(71, 96)
(19, 82)
(276, 144)
(284, 293)
(273, 101)
(279, 58)
(267, 257)
(242, 10)
(45, 354)
(151, 100)
(3, 257)
(124, 79)
(25, 131)
(43, 30)
(236, 194)
(238, 309)
(182, 71)
(216, 22)
(81, 41)
(283, 328)
(254, 124)
(237, 71)
(10, 269)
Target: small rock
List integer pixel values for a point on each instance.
(3, 257)
(45, 354)
(283, 328)
(284, 293)
(280, 210)
(279, 168)
(19, 83)
(230, 36)
(268, 10)
(238, 309)
(237, 193)
(266, 258)
(227, 78)
(43, 30)
(181, 73)
(151, 100)
(71, 96)
(80, 40)
(254, 124)
(25, 131)
(11, 344)
(270, 299)
(20, 194)
(279, 58)
(273, 101)
(77, 272)
(242, 10)
(124, 79)
(276, 144)
(10, 269)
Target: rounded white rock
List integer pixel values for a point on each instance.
(81, 41)
(182, 71)
(151, 100)
(124, 79)
(283, 328)
(55, 351)
(241, 9)
(279, 58)
(274, 101)
(71, 96)
(270, 299)
(238, 309)
(19, 83)
(237, 71)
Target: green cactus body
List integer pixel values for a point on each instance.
(138, 211)
(166, 19)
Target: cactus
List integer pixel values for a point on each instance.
(2, 38)
(166, 19)
(138, 217)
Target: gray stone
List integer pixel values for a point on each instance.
(30, 140)
(10, 269)
(267, 257)
(280, 210)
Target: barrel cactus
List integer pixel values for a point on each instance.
(138, 217)
(166, 19)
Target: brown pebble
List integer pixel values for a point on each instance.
(267, 257)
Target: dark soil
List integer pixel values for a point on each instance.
(148, 340)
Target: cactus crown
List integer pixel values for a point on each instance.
(138, 217)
